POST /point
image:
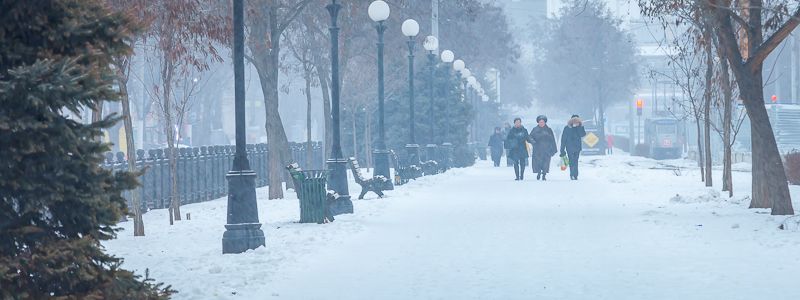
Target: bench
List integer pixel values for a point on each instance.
(404, 172)
(401, 175)
(430, 167)
(376, 184)
(311, 209)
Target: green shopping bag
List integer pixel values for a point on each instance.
(564, 163)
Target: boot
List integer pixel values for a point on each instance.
(538, 175)
(544, 178)
(516, 171)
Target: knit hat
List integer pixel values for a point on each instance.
(540, 118)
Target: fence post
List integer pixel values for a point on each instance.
(194, 174)
(262, 164)
(181, 175)
(201, 174)
(217, 172)
(219, 176)
(144, 179)
(122, 166)
(154, 181)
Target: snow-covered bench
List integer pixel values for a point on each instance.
(376, 184)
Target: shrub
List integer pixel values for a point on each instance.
(792, 166)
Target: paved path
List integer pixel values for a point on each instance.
(612, 235)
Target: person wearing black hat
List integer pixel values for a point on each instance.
(571, 144)
(496, 146)
(517, 150)
(544, 147)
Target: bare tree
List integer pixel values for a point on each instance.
(302, 43)
(748, 31)
(135, 9)
(267, 21)
(183, 35)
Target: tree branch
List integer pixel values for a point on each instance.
(294, 13)
(768, 46)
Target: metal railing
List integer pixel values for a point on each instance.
(200, 171)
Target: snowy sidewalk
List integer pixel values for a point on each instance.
(619, 233)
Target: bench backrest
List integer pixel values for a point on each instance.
(395, 160)
(356, 171)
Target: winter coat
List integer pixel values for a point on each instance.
(572, 135)
(515, 143)
(496, 143)
(544, 142)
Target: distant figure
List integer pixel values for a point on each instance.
(517, 150)
(544, 147)
(496, 146)
(610, 143)
(571, 144)
(506, 129)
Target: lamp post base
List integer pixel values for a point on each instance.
(413, 154)
(381, 161)
(337, 181)
(430, 152)
(243, 231)
(239, 238)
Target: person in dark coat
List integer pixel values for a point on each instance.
(506, 129)
(544, 147)
(571, 144)
(496, 145)
(517, 150)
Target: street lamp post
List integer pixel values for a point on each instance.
(379, 12)
(447, 58)
(410, 29)
(242, 231)
(471, 83)
(337, 164)
(431, 45)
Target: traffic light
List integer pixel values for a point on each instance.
(774, 98)
(639, 106)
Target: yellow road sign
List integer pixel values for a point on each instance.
(591, 139)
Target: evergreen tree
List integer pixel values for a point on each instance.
(452, 115)
(56, 203)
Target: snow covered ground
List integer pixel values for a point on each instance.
(631, 228)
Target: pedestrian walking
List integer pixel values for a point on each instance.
(506, 130)
(571, 143)
(610, 143)
(517, 148)
(496, 146)
(544, 147)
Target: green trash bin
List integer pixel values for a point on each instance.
(312, 192)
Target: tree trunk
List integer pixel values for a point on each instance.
(278, 143)
(770, 186)
(167, 75)
(700, 154)
(266, 59)
(309, 144)
(322, 73)
(746, 58)
(727, 124)
(97, 112)
(122, 81)
(707, 95)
